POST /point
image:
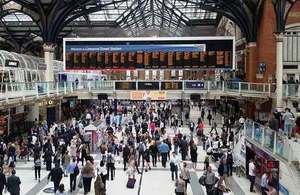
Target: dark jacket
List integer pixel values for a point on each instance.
(2, 180)
(13, 184)
(56, 174)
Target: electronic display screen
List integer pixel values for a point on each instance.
(171, 85)
(146, 53)
(148, 85)
(125, 85)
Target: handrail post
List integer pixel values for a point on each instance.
(183, 85)
(72, 90)
(48, 88)
(252, 133)
(57, 88)
(290, 153)
(264, 88)
(208, 86)
(286, 90)
(240, 87)
(89, 86)
(248, 86)
(263, 137)
(275, 140)
(65, 87)
(6, 96)
(270, 89)
(37, 89)
(23, 88)
(114, 85)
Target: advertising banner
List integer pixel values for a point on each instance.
(146, 95)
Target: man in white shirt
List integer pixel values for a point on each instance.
(252, 174)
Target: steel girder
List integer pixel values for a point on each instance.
(53, 16)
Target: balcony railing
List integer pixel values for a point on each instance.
(273, 141)
(22, 90)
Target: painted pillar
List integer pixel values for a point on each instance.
(279, 69)
(251, 62)
(49, 57)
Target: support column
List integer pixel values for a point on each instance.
(49, 57)
(279, 69)
(33, 113)
(251, 62)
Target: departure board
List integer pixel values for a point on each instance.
(149, 53)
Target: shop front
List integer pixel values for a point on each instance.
(49, 110)
(263, 162)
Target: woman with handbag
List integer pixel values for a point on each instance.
(87, 173)
(185, 173)
(180, 186)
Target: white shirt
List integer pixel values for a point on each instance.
(175, 160)
(102, 170)
(251, 169)
(264, 180)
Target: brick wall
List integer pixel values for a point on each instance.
(266, 44)
(294, 14)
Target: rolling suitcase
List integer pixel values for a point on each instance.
(130, 183)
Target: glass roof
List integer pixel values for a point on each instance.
(17, 17)
(136, 15)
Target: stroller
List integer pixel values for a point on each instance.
(216, 154)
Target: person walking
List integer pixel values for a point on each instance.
(37, 168)
(184, 147)
(251, 174)
(210, 180)
(48, 159)
(55, 176)
(180, 186)
(153, 152)
(174, 165)
(185, 175)
(102, 171)
(126, 154)
(73, 170)
(13, 184)
(2, 181)
(164, 151)
(87, 173)
(110, 164)
(229, 163)
(264, 183)
(66, 161)
(193, 153)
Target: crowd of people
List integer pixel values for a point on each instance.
(137, 134)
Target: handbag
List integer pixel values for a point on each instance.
(202, 180)
(80, 183)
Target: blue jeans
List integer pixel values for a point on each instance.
(288, 129)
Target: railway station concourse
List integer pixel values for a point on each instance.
(142, 97)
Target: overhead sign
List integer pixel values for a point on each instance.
(149, 53)
(12, 63)
(146, 95)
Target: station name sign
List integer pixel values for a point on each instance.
(12, 63)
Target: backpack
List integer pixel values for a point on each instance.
(141, 148)
(76, 170)
(110, 159)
